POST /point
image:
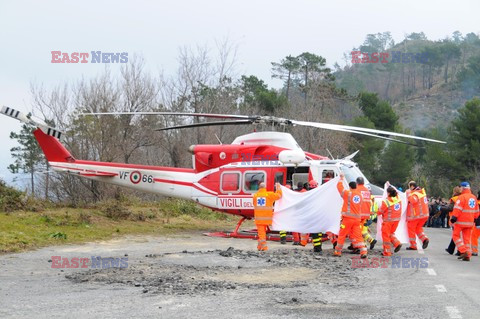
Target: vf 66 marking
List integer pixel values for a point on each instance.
(136, 177)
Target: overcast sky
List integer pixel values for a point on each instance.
(263, 31)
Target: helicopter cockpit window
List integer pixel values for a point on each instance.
(352, 172)
(253, 180)
(230, 182)
(327, 175)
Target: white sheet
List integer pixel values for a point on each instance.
(317, 210)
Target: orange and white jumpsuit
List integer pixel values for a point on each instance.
(466, 211)
(263, 210)
(350, 225)
(475, 235)
(365, 212)
(417, 215)
(391, 211)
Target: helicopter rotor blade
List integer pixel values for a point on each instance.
(210, 115)
(278, 121)
(363, 133)
(8, 111)
(216, 123)
(362, 130)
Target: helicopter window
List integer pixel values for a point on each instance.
(230, 182)
(301, 178)
(252, 181)
(279, 178)
(327, 175)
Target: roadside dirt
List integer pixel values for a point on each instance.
(213, 271)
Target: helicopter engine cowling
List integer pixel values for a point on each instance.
(291, 157)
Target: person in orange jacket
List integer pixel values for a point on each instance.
(417, 215)
(350, 224)
(365, 212)
(464, 217)
(391, 211)
(476, 233)
(263, 211)
(457, 191)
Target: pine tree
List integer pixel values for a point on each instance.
(28, 155)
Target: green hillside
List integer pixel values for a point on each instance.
(424, 94)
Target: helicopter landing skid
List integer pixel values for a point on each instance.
(251, 234)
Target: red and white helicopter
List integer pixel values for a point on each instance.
(224, 176)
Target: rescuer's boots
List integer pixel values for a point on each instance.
(372, 244)
(463, 256)
(425, 243)
(317, 249)
(283, 237)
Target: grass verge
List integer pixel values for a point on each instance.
(23, 230)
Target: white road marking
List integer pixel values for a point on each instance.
(419, 247)
(453, 312)
(441, 288)
(431, 272)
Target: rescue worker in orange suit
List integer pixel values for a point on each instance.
(263, 210)
(464, 217)
(297, 240)
(365, 212)
(391, 210)
(457, 190)
(417, 215)
(476, 232)
(350, 224)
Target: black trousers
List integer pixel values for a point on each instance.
(451, 247)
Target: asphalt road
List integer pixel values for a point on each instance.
(194, 276)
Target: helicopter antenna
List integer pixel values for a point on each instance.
(331, 156)
(219, 141)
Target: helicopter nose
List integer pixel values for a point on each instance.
(191, 149)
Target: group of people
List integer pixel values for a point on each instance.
(439, 209)
(360, 209)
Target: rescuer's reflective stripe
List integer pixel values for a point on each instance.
(390, 209)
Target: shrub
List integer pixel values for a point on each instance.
(10, 198)
(115, 210)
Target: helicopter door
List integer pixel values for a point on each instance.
(297, 174)
(328, 174)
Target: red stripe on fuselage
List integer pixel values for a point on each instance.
(135, 166)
